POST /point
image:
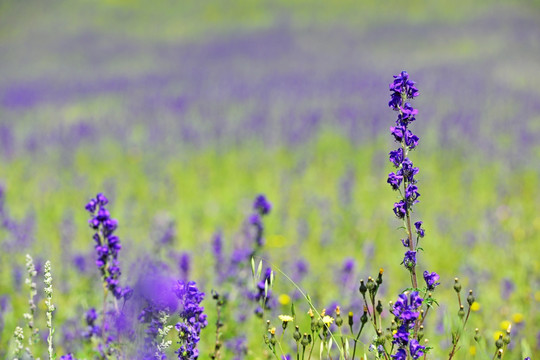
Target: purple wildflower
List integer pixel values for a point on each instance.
(410, 259)
(416, 349)
(107, 245)
(396, 157)
(400, 209)
(431, 280)
(91, 328)
(411, 194)
(68, 357)
(262, 205)
(192, 319)
(394, 180)
(401, 354)
(419, 230)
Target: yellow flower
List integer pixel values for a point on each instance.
(472, 350)
(284, 299)
(517, 318)
(272, 330)
(497, 334)
(285, 318)
(475, 306)
(327, 320)
(505, 324)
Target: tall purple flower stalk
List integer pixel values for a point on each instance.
(403, 179)
(262, 207)
(107, 245)
(192, 319)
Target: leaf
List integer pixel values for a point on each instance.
(259, 270)
(253, 266)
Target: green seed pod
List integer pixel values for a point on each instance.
(457, 285)
(506, 338)
(477, 335)
(470, 298)
(305, 341)
(371, 286)
(499, 343)
(363, 288)
(364, 317)
(296, 334)
(273, 339)
(379, 307)
(461, 312)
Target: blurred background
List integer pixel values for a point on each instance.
(181, 112)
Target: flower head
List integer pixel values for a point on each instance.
(431, 280)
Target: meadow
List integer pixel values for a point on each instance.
(183, 113)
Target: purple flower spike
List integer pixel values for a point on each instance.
(107, 245)
(192, 320)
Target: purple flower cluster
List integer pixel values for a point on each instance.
(91, 327)
(193, 320)
(262, 207)
(107, 245)
(406, 312)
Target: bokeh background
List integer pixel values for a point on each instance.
(183, 111)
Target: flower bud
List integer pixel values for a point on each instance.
(364, 318)
(305, 341)
(420, 332)
(314, 325)
(273, 339)
(371, 286)
(499, 343)
(362, 288)
(457, 285)
(506, 338)
(296, 334)
(379, 278)
(351, 320)
(470, 298)
(339, 320)
(477, 335)
(379, 307)
(461, 312)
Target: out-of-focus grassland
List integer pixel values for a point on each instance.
(479, 176)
